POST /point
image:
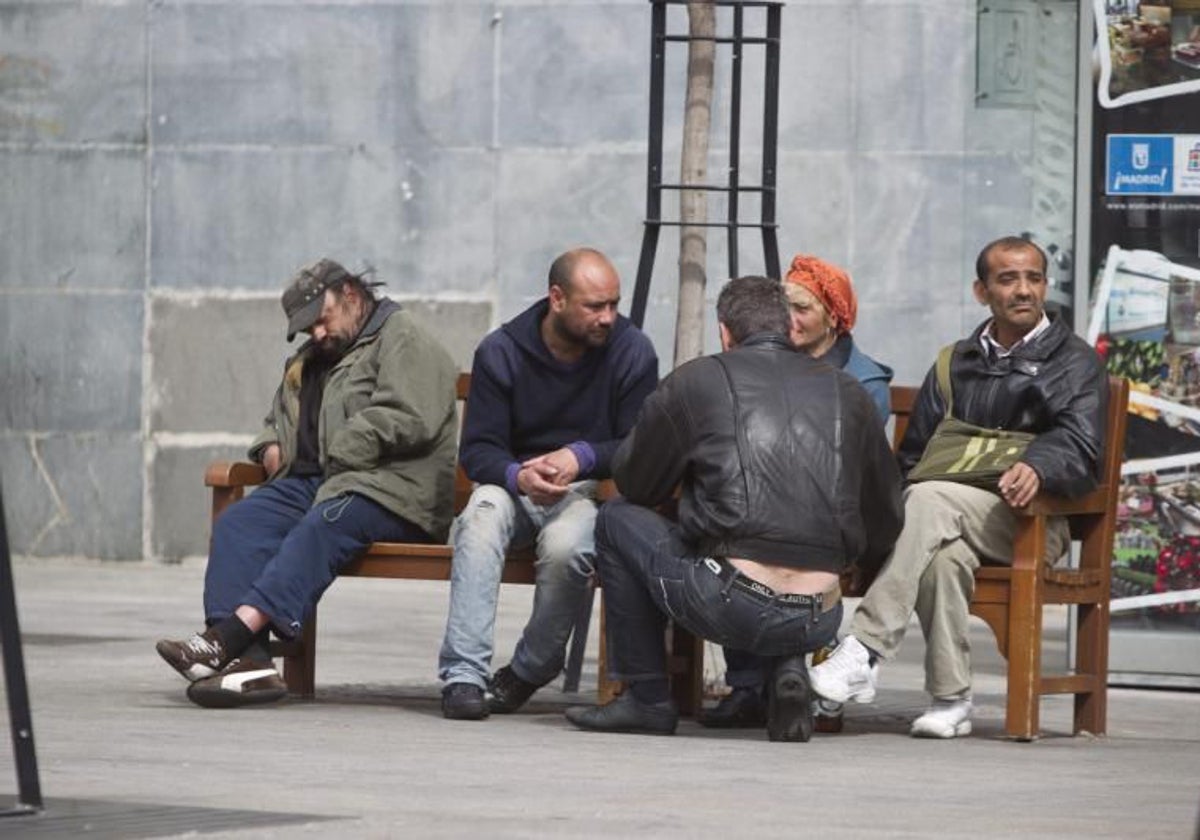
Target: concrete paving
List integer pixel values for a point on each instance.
(112, 727)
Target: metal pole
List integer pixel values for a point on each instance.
(658, 47)
(771, 141)
(29, 792)
(735, 141)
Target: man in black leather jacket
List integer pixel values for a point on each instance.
(1021, 370)
(780, 460)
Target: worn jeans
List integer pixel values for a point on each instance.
(276, 551)
(948, 530)
(649, 575)
(493, 522)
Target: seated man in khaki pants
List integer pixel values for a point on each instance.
(1021, 370)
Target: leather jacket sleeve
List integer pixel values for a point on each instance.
(1066, 456)
(650, 462)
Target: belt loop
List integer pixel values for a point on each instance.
(729, 584)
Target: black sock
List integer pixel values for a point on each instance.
(872, 656)
(259, 649)
(235, 636)
(650, 692)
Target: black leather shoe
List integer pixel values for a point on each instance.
(789, 708)
(626, 714)
(742, 708)
(464, 701)
(509, 692)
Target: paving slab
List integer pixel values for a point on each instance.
(112, 726)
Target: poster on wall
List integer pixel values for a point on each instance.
(1146, 50)
(1146, 323)
(1145, 316)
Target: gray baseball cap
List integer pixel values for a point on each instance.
(305, 295)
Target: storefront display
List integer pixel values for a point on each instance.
(1145, 320)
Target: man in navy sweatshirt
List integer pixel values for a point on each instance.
(553, 392)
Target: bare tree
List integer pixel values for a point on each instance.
(693, 204)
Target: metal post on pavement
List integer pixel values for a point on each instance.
(29, 792)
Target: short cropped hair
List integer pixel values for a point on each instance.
(751, 305)
(1005, 243)
(562, 270)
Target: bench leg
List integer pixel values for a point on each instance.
(1091, 657)
(579, 638)
(299, 660)
(606, 689)
(686, 664)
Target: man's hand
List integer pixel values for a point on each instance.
(271, 456)
(544, 479)
(1019, 484)
(560, 466)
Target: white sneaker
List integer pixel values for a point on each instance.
(847, 674)
(946, 718)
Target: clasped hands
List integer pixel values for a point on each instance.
(545, 479)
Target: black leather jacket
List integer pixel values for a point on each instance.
(782, 459)
(1055, 387)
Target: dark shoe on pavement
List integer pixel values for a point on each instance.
(789, 709)
(464, 701)
(243, 682)
(509, 692)
(201, 656)
(626, 714)
(742, 708)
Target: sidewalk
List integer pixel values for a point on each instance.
(372, 752)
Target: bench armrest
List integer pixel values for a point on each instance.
(234, 474)
(1044, 504)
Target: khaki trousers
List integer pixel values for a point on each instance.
(949, 529)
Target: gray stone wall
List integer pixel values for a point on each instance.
(167, 165)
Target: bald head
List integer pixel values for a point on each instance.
(567, 267)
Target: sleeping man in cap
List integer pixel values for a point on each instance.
(358, 447)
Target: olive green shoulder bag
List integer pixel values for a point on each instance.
(962, 452)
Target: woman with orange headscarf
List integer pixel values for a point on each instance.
(824, 308)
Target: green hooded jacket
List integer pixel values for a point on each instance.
(387, 425)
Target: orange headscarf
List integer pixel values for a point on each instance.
(829, 284)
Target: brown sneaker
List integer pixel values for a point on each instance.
(243, 682)
(196, 658)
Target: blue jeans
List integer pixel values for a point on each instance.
(649, 574)
(276, 551)
(743, 669)
(491, 523)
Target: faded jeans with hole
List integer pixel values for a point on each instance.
(562, 536)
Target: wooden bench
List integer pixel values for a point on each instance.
(404, 561)
(1010, 599)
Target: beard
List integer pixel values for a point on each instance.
(332, 347)
(586, 338)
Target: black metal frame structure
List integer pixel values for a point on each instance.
(29, 791)
(654, 222)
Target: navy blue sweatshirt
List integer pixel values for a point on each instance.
(524, 402)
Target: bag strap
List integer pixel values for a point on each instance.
(943, 376)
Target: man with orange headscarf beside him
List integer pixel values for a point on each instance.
(824, 309)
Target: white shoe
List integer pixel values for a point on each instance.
(847, 674)
(946, 718)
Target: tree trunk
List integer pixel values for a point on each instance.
(693, 204)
